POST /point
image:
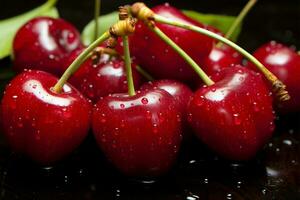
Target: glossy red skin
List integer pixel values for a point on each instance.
(221, 57)
(181, 92)
(284, 62)
(41, 124)
(234, 116)
(99, 80)
(158, 58)
(140, 134)
(44, 43)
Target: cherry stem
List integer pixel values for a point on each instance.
(97, 14)
(78, 61)
(238, 20)
(269, 75)
(127, 58)
(144, 73)
(183, 54)
(278, 86)
(51, 3)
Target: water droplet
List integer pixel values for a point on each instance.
(236, 119)
(287, 142)
(229, 196)
(66, 179)
(206, 180)
(103, 118)
(238, 184)
(192, 197)
(178, 118)
(255, 107)
(144, 100)
(199, 101)
(272, 127)
(122, 124)
(15, 97)
(155, 129)
(161, 117)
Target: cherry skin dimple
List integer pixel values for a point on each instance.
(159, 59)
(41, 124)
(284, 62)
(140, 134)
(107, 76)
(234, 116)
(43, 43)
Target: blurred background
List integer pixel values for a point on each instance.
(269, 20)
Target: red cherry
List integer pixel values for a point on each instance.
(41, 124)
(159, 59)
(178, 90)
(140, 134)
(284, 62)
(43, 43)
(221, 57)
(106, 77)
(234, 116)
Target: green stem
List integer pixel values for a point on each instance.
(144, 73)
(96, 17)
(50, 3)
(240, 18)
(78, 61)
(269, 75)
(130, 83)
(184, 55)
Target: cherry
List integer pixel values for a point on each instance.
(234, 116)
(140, 134)
(44, 125)
(221, 57)
(106, 77)
(159, 59)
(284, 62)
(44, 43)
(178, 90)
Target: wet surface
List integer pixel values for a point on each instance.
(198, 174)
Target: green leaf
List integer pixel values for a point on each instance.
(10, 26)
(104, 21)
(222, 22)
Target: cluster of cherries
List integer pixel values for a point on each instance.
(141, 133)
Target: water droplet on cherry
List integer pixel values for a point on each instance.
(144, 100)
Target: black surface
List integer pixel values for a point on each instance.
(198, 174)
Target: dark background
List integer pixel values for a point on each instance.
(198, 174)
